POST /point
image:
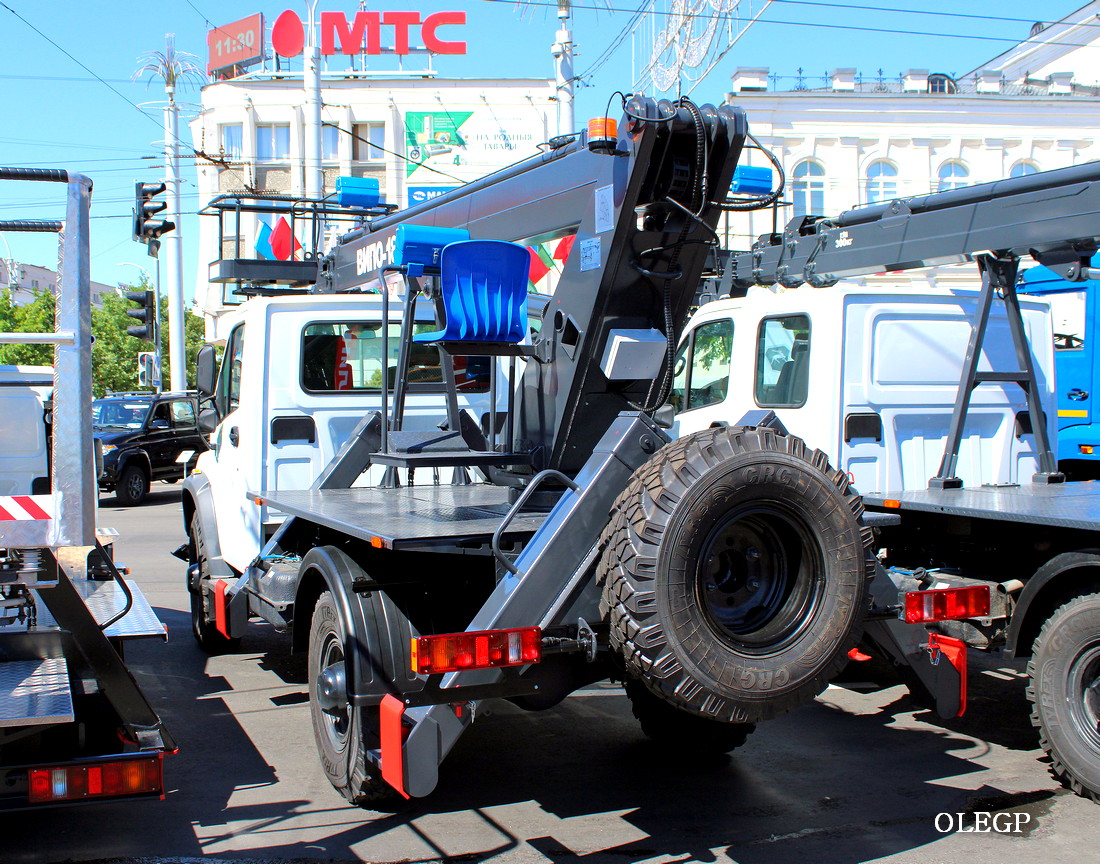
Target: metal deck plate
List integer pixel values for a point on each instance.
(104, 600)
(409, 515)
(35, 692)
(1064, 505)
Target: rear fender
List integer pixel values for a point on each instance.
(377, 633)
(1059, 580)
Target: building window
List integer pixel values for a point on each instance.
(1024, 169)
(882, 182)
(330, 144)
(272, 142)
(369, 142)
(953, 175)
(808, 189)
(231, 137)
(940, 83)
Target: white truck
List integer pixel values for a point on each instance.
(299, 374)
(25, 394)
(74, 725)
(868, 374)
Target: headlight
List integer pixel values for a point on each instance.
(107, 448)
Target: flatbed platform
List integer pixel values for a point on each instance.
(1061, 505)
(408, 515)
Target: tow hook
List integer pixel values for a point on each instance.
(332, 689)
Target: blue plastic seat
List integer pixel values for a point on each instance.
(483, 288)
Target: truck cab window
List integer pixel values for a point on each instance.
(701, 372)
(339, 357)
(228, 396)
(783, 362)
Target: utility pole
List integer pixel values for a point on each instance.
(562, 51)
(173, 67)
(173, 246)
(311, 81)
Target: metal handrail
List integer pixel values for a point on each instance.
(518, 505)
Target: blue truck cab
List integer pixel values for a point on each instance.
(1074, 309)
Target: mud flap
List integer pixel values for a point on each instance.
(410, 755)
(936, 664)
(230, 610)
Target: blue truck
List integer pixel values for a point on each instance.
(1074, 306)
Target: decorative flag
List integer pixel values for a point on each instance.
(539, 266)
(284, 245)
(263, 240)
(564, 247)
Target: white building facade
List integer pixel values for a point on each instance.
(418, 134)
(853, 139)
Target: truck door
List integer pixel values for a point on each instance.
(702, 377)
(1074, 353)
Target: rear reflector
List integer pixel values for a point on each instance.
(115, 778)
(485, 649)
(947, 604)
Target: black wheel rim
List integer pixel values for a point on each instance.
(334, 724)
(135, 484)
(760, 577)
(1084, 681)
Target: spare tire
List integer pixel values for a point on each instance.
(735, 573)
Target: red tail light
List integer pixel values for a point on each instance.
(947, 604)
(485, 649)
(114, 778)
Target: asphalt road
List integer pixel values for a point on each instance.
(854, 777)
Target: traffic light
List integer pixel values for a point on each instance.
(147, 365)
(147, 229)
(147, 330)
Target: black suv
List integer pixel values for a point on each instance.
(142, 436)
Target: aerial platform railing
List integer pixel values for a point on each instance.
(307, 222)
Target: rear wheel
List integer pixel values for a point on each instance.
(1065, 694)
(735, 573)
(342, 731)
(208, 636)
(132, 486)
(677, 730)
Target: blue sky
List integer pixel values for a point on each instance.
(57, 113)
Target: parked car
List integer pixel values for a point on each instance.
(145, 437)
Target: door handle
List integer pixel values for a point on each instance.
(1078, 395)
(234, 436)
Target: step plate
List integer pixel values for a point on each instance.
(105, 599)
(34, 692)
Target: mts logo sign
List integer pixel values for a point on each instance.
(363, 34)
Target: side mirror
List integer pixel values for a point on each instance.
(206, 370)
(665, 416)
(158, 424)
(208, 420)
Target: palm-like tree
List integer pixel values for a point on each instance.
(171, 66)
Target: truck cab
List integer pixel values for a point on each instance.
(867, 374)
(297, 375)
(25, 394)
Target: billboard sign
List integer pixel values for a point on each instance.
(238, 44)
(365, 33)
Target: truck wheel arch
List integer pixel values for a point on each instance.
(378, 633)
(1052, 585)
(198, 498)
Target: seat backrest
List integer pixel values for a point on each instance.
(483, 286)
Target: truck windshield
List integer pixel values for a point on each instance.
(338, 357)
(118, 414)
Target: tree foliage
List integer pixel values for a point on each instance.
(114, 352)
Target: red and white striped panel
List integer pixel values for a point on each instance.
(25, 508)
